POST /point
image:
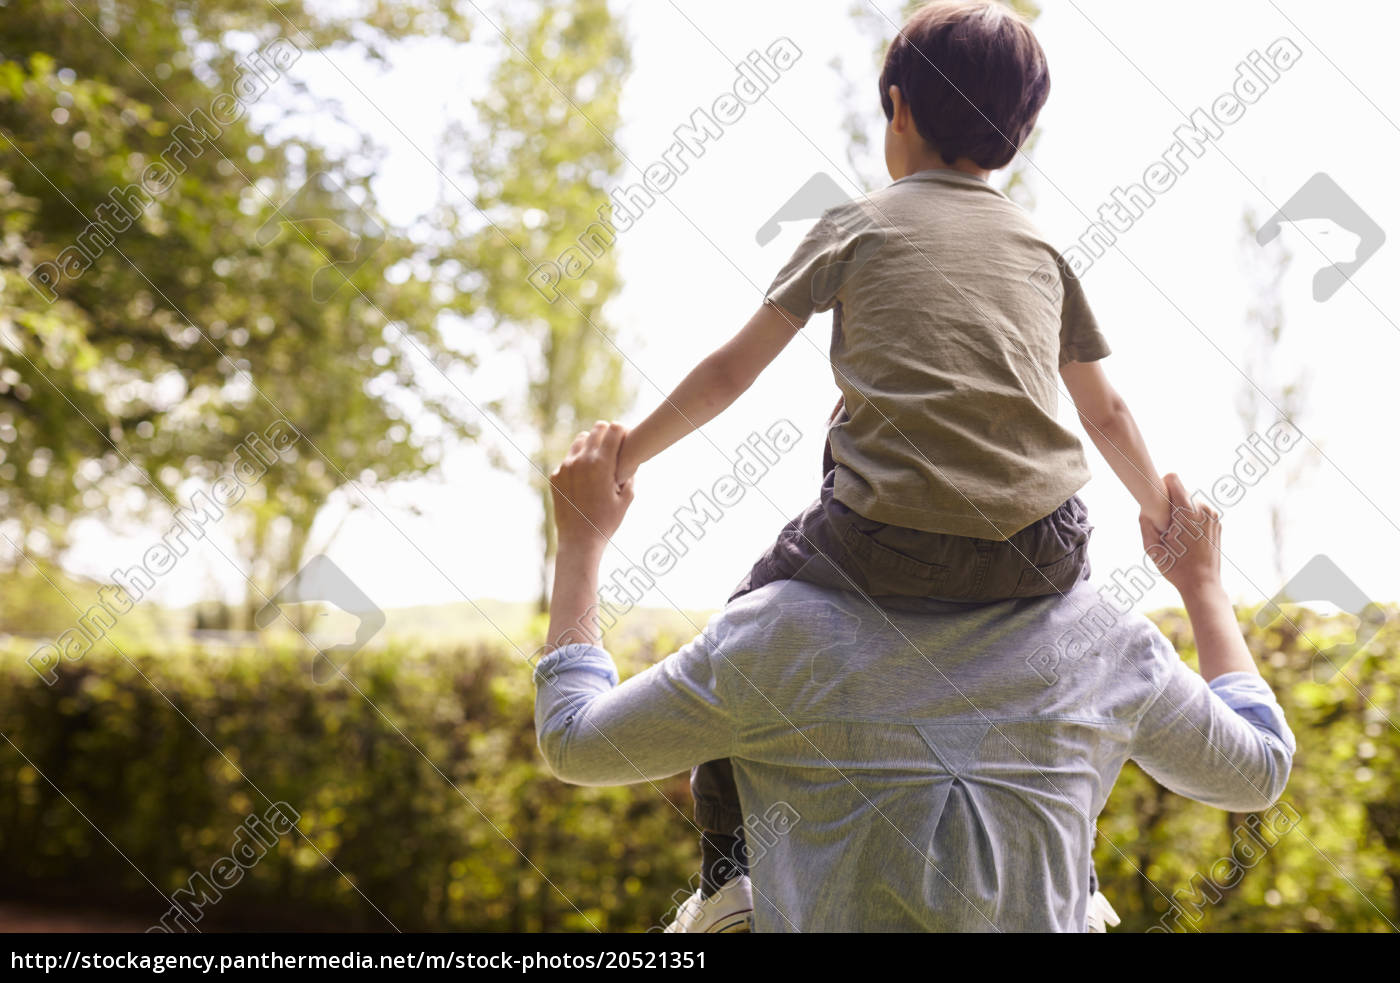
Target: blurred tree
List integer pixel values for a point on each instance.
(542, 156)
(166, 289)
(1272, 387)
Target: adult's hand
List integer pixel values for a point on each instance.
(1188, 555)
(588, 507)
(588, 502)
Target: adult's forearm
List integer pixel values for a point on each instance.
(1219, 643)
(573, 605)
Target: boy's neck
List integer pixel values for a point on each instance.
(933, 162)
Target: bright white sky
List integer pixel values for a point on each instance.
(1171, 298)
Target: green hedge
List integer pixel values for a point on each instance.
(123, 741)
(426, 838)
(1339, 868)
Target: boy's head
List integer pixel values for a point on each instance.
(970, 79)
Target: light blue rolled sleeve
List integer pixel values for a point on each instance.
(593, 731)
(1247, 694)
(576, 658)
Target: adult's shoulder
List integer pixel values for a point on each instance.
(1096, 622)
(790, 616)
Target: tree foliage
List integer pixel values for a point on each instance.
(542, 155)
(191, 321)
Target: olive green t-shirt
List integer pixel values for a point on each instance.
(952, 318)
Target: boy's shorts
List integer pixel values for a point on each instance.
(832, 546)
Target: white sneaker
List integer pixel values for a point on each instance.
(1100, 914)
(730, 909)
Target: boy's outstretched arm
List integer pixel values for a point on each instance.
(710, 387)
(1111, 427)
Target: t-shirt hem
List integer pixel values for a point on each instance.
(998, 527)
(802, 312)
(1084, 352)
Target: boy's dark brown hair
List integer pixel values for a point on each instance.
(974, 77)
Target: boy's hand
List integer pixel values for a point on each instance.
(1187, 552)
(1159, 517)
